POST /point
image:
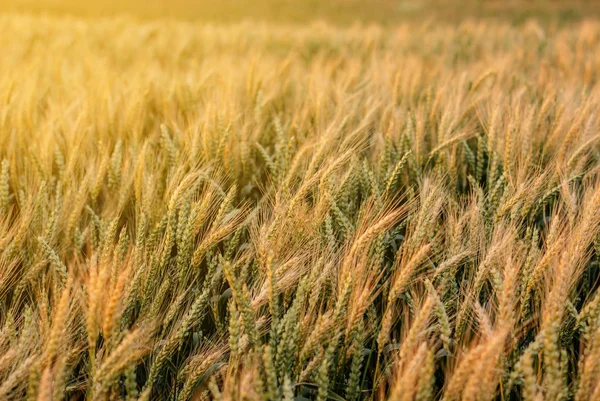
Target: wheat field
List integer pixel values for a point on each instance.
(277, 211)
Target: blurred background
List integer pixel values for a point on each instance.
(334, 11)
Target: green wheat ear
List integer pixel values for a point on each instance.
(4, 187)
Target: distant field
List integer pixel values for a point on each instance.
(336, 11)
(268, 202)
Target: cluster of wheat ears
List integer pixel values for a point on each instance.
(275, 212)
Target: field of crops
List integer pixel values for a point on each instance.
(287, 211)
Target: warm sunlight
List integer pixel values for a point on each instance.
(285, 200)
